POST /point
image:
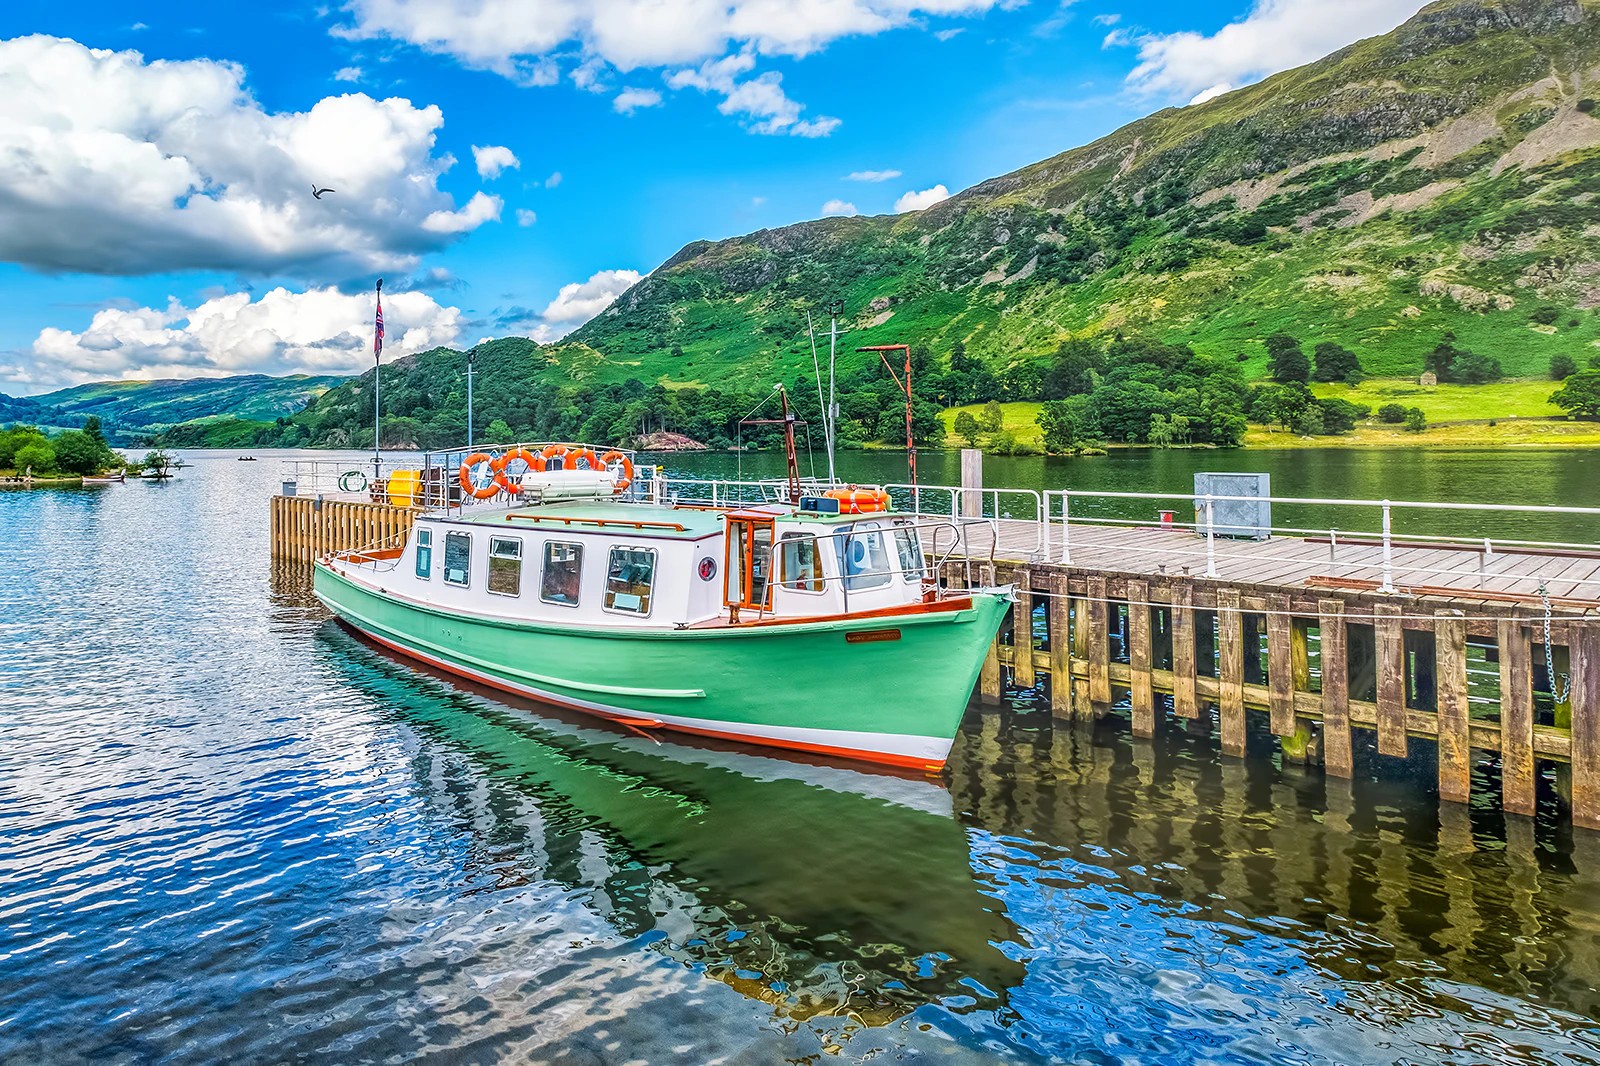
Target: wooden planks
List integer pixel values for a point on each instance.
(1022, 673)
(1455, 749)
(302, 528)
(1061, 639)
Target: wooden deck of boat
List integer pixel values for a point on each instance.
(1459, 571)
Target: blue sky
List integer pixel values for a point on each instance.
(155, 209)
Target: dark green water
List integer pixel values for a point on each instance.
(229, 830)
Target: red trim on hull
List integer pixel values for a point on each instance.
(879, 758)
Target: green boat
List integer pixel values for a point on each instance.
(813, 624)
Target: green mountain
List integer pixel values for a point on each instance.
(1434, 191)
(129, 411)
(1443, 177)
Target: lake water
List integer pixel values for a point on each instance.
(231, 830)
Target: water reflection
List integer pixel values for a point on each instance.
(817, 889)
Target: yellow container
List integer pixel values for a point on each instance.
(405, 487)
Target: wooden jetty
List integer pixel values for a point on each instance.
(1298, 631)
(1338, 646)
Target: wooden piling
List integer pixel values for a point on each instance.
(1337, 756)
(1280, 675)
(1184, 702)
(1584, 648)
(1060, 647)
(1082, 641)
(1230, 625)
(1455, 747)
(1391, 666)
(1022, 674)
(1099, 650)
(1516, 717)
(1140, 688)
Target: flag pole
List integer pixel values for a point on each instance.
(377, 365)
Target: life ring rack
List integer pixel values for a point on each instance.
(480, 486)
(482, 475)
(533, 460)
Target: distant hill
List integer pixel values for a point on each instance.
(130, 411)
(1442, 177)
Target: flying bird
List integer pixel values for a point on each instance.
(316, 192)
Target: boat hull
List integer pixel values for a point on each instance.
(887, 689)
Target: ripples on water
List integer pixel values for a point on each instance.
(230, 830)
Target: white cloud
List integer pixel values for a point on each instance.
(493, 159)
(110, 164)
(628, 34)
(872, 175)
(1117, 38)
(347, 74)
(580, 301)
(761, 100)
(630, 100)
(526, 218)
(320, 331)
(945, 35)
(838, 207)
(480, 209)
(1108, 19)
(553, 180)
(523, 41)
(1274, 36)
(917, 201)
(1211, 93)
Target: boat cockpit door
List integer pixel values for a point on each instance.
(748, 567)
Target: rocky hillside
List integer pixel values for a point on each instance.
(1443, 177)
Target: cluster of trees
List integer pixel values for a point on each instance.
(1328, 361)
(72, 451)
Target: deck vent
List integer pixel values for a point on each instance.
(1242, 507)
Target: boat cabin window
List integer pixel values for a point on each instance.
(909, 548)
(457, 558)
(630, 579)
(800, 563)
(865, 559)
(563, 569)
(425, 553)
(505, 566)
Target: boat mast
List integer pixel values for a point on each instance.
(788, 423)
(883, 351)
(377, 368)
(831, 416)
(822, 404)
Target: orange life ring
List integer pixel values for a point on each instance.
(534, 462)
(582, 454)
(859, 501)
(627, 468)
(465, 476)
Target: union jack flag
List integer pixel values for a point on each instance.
(377, 330)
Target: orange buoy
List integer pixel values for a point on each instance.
(627, 468)
(555, 451)
(502, 464)
(478, 476)
(859, 501)
(582, 454)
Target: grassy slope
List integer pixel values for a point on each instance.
(131, 408)
(735, 308)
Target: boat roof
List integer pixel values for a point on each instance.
(614, 516)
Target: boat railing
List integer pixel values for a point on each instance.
(379, 556)
(439, 480)
(727, 493)
(348, 479)
(1371, 524)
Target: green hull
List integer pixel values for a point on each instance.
(797, 685)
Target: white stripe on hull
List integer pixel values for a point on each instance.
(901, 747)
